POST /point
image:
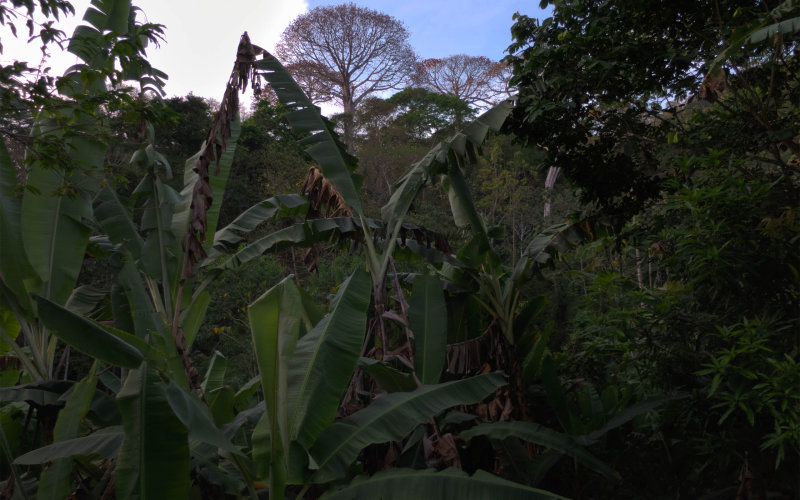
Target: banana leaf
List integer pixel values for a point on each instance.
(391, 417)
(87, 336)
(153, 461)
(275, 325)
(427, 318)
(55, 480)
(325, 358)
(456, 150)
(215, 375)
(324, 148)
(195, 415)
(389, 379)
(285, 205)
(56, 233)
(538, 434)
(14, 265)
(104, 443)
(397, 484)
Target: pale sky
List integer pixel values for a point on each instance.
(202, 35)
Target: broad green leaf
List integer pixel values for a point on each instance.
(193, 317)
(389, 379)
(312, 312)
(14, 265)
(397, 484)
(464, 210)
(624, 416)
(391, 417)
(221, 404)
(215, 375)
(87, 336)
(134, 300)
(46, 393)
(10, 326)
(85, 299)
(532, 364)
(527, 313)
(55, 480)
(454, 151)
(286, 205)
(427, 318)
(153, 461)
(537, 434)
(306, 233)
(302, 234)
(275, 326)
(787, 27)
(325, 359)
(757, 32)
(247, 391)
(158, 257)
(55, 235)
(111, 381)
(116, 220)
(196, 417)
(219, 173)
(104, 443)
(554, 239)
(121, 307)
(9, 439)
(10, 377)
(336, 164)
(110, 15)
(555, 393)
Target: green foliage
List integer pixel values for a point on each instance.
(225, 327)
(270, 160)
(154, 457)
(427, 318)
(673, 350)
(754, 377)
(400, 483)
(392, 417)
(604, 124)
(424, 113)
(683, 142)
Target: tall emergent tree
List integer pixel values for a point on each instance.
(477, 80)
(352, 51)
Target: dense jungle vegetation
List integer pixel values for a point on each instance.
(589, 289)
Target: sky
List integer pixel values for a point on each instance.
(201, 37)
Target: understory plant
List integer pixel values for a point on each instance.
(362, 394)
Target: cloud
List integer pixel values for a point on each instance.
(202, 38)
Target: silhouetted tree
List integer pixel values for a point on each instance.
(350, 51)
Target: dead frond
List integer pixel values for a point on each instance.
(324, 199)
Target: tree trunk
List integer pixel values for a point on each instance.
(348, 118)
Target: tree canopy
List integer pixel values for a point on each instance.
(353, 52)
(476, 80)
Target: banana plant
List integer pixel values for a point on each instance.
(299, 441)
(157, 306)
(47, 218)
(380, 238)
(293, 448)
(151, 265)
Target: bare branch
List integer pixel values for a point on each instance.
(345, 53)
(478, 81)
